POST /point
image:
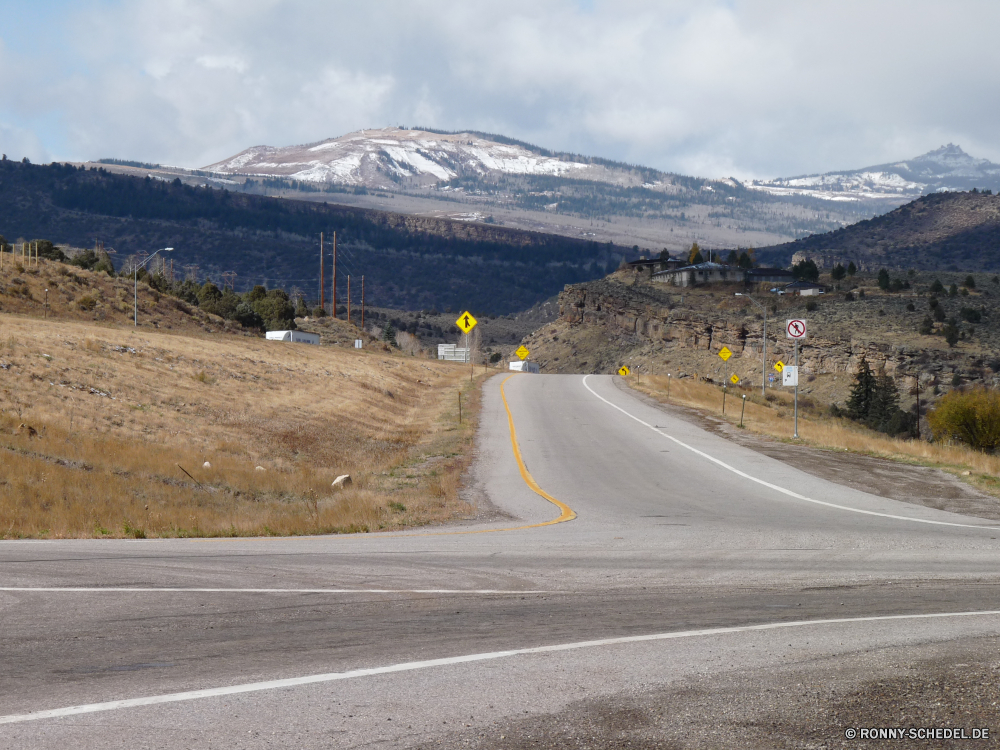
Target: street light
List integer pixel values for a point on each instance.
(763, 356)
(135, 290)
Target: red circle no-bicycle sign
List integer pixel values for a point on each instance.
(795, 329)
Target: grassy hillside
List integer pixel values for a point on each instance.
(105, 429)
(409, 262)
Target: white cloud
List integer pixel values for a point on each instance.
(739, 87)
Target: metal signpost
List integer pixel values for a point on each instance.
(795, 329)
(466, 322)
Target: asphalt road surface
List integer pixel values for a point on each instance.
(704, 595)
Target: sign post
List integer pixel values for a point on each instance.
(466, 323)
(795, 329)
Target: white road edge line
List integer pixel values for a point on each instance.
(166, 589)
(254, 687)
(777, 488)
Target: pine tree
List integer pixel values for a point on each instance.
(389, 334)
(862, 392)
(884, 403)
(851, 268)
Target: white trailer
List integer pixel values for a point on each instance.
(519, 366)
(298, 337)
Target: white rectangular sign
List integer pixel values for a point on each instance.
(358, 343)
(795, 328)
(790, 375)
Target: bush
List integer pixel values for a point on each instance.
(926, 326)
(937, 287)
(971, 417)
(910, 307)
(950, 332)
(953, 290)
(319, 311)
(849, 297)
(811, 305)
(939, 313)
(883, 279)
(970, 282)
(971, 314)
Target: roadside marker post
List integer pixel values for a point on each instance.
(743, 410)
(795, 329)
(466, 322)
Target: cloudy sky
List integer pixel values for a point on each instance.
(750, 89)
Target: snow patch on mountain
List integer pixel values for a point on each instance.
(382, 158)
(947, 168)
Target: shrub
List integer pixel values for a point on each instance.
(883, 279)
(971, 314)
(939, 313)
(953, 290)
(811, 305)
(910, 307)
(971, 417)
(970, 282)
(926, 326)
(950, 332)
(849, 297)
(937, 287)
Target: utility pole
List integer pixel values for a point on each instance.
(334, 288)
(322, 275)
(348, 298)
(362, 302)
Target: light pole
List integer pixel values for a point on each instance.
(135, 281)
(763, 347)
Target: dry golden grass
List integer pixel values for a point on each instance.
(775, 418)
(121, 417)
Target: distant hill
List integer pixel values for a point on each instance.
(409, 262)
(944, 169)
(942, 231)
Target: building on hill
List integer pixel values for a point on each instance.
(769, 275)
(803, 288)
(649, 266)
(700, 273)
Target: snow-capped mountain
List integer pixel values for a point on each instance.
(947, 168)
(391, 157)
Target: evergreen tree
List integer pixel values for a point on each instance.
(851, 268)
(838, 272)
(862, 392)
(884, 403)
(389, 334)
(883, 279)
(937, 287)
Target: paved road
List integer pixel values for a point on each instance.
(691, 560)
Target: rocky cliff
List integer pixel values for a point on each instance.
(624, 319)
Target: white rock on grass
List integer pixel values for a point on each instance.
(259, 468)
(342, 481)
(206, 465)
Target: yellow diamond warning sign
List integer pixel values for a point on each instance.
(779, 365)
(734, 379)
(624, 371)
(522, 352)
(466, 322)
(725, 353)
